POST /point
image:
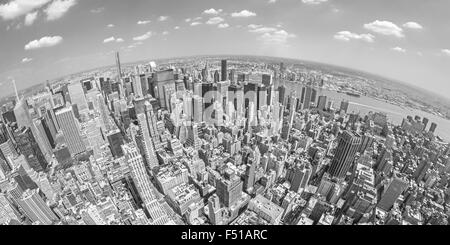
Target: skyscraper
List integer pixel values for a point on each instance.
(433, 127)
(348, 144)
(397, 185)
(71, 131)
(28, 146)
(139, 173)
(119, 69)
(36, 209)
(224, 70)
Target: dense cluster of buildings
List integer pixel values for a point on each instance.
(206, 144)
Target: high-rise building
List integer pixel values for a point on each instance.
(229, 189)
(119, 69)
(348, 145)
(149, 150)
(224, 70)
(299, 175)
(397, 185)
(344, 106)
(138, 172)
(28, 146)
(71, 131)
(322, 103)
(433, 127)
(36, 209)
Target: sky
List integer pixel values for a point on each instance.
(407, 40)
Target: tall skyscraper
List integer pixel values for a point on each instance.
(119, 69)
(36, 209)
(433, 127)
(29, 147)
(397, 185)
(322, 103)
(149, 150)
(348, 144)
(71, 131)
(138, 173)
(224, 72)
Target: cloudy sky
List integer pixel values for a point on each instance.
(408, 40)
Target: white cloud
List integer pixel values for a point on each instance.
(314, 2)
(271, 35)
(30, 18)
(223, 25)
(26, 60)
(143, 37)
(17, 8)
(188, 20)
(165, 33)
(263, 29)
(176, 27)
(253, 26)
(163, 18)
(110, 25)
(446, 51)
(385, 28)
(413, 25)
(119, 40)
(215, 21)
(398, 49)
(108, 40)
(58, 8)
(196, 23)
(347, 36)
(243, 14)
(97, 10)
(44, 42)
(272, 1)
(212, 11)
(278, 37)
(143, 22)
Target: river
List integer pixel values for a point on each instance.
(365, 104)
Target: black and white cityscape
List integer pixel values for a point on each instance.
(229, 139)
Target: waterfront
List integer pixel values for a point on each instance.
(395, 113)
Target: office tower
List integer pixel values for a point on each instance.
(229, 188)
(138, 173)
(348, 144)
(119, 69)
(149, 150)
(28, 146)
(344, 106)
(224, 70)
(232, 75)
(322, 103)
(282, 93)
(249, 178)
(115, 140)
(216, 76)
(42, 129)
(22, 114)
(7, 211)
(215, 212)
(433, 127)
(267, 80)
(299, 175)
(159, 80)
(36, 209)
(397, 185)
(308, 94)
(261, 97)
(71, 131)
(425, 122)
